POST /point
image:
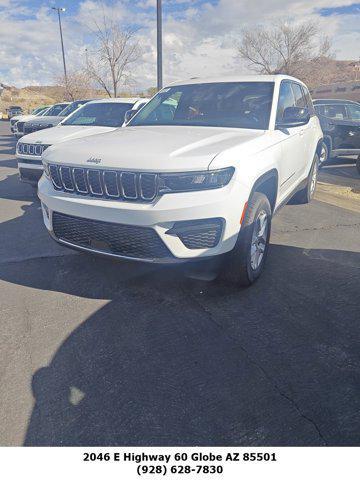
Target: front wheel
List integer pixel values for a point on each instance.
(306, 194)
(245, 263)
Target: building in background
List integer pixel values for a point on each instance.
(341, 90)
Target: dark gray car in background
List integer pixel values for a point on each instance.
(340, 123)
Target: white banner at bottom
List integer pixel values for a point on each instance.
(250, 463)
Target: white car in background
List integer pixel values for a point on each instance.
(35, 113)
(49, 115)
(97, 116)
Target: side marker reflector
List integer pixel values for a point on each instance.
(243, 213)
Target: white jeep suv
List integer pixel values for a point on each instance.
(197, 174)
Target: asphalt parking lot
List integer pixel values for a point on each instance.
(97, 352)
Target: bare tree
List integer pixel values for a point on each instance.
(77, 85)
(115, 52)
(292, 49)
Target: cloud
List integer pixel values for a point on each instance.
(200, 36)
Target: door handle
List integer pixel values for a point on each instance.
(302, 132)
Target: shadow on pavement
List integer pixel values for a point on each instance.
(171, 361)
(341, 171)
(7, 141)
(12, 188)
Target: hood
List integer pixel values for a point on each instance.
(44, 120)
(23, 118)
(62, 133)
(159, 148)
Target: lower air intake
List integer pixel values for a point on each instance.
(112, 238)
(197, 234)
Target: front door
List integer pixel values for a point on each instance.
(292, 143)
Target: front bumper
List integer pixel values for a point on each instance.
(30, 175)
(160, 217)
(30, 169)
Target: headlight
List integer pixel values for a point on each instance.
(187, 182)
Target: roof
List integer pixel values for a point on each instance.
(324, 101)
(236, 78)
(117, 100)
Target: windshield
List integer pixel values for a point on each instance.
(42, 112)
(55, 110)
(231, 104)
(37, 110)
(100, 114)
(72, 107)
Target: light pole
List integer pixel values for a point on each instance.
(159, 45)
(59, 9)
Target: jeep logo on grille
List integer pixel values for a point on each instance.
(93, 160)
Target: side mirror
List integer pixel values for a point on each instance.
(128, 115)
(294, 117)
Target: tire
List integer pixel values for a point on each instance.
(324, 154)
(307, 193)
(358, 164)
(245, 263)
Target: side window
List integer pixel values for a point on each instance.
(353, 111)
(337, 111)
(308, 100)
(298, 94)
(286, 99)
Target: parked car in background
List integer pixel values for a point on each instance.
(340, 122)
(98, 116)
(197, 174)
(47, 122)
(15, 118)
(14, 110)
(71, 108)
(24, 118)
(50, 118)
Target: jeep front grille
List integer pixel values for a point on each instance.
(31, 149)
(129, 186)
(110, 238)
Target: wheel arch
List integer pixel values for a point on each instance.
(319, 146)
(328, 140)
(268, 184)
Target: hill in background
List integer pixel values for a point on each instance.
(33, 96)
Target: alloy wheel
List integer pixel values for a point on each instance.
(259, 240)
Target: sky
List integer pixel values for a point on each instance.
(200, 36)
